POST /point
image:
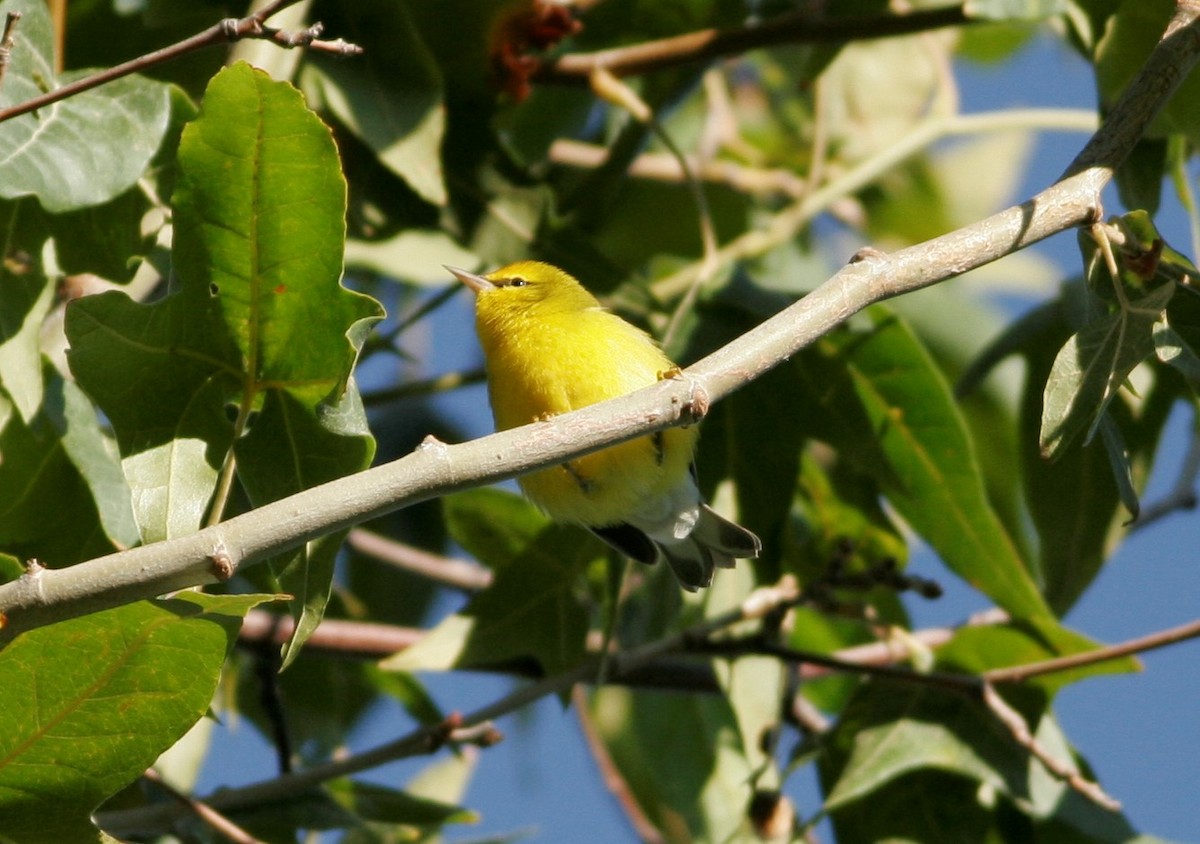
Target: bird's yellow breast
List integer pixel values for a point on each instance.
(543, 364)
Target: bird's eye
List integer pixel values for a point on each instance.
(517, 282)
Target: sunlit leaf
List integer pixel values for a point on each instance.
(89, 148)
(89, 704)
(259, 224)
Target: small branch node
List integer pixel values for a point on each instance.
(230, 28)
(867, 253)
(33, 568)
(433, 446)
(768, 599)
(222, 563)
(338, 47)
(7, 42)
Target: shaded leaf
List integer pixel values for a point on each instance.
(48, 508)
(682, 758)
(26, 295)
(292, 447)
(531, 610)
(391, 97)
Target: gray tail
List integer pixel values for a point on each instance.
(714, 543)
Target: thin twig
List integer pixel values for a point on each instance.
(214, 819)
(437, 384)
(1021, 673)
(610, 774)
(223, 32)
(355, 638)
(1063, 770)
(461, 574)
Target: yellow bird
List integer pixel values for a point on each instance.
(551, 348)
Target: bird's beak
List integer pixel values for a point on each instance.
(477, 283)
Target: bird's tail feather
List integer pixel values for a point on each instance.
(715, 542)
(727, 540)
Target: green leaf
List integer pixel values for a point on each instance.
(1093, 365)
(391, 97)
(107, 239)
(81, 151)
(891, 729)
(94, 455)
(981, 648)
(290, 448)
(889, 409)
(1140, 176)
(26, 295)
(531, 610)
(765, 478)
(259, 226)
(1072, 501)
(49, 477)
(88, 704)
(925, 805)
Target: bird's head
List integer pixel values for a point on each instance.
(525, 289)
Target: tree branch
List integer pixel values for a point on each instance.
(226, 31)
(706, 44)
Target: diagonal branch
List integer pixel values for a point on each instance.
(434, 469)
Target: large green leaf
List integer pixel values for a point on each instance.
(81, 151)
(532, 610)
(87, 705)
(1073, 501)
(888, 408)
(892, 729)
(259, 226)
